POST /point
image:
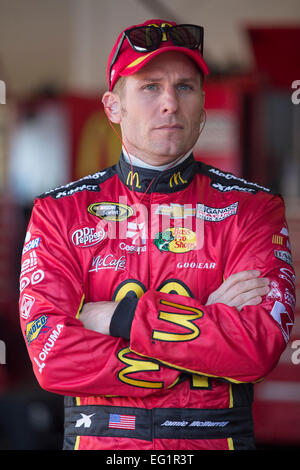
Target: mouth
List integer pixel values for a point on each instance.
(169, 127)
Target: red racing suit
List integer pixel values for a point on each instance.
(174, 373)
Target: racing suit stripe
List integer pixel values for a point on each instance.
(230, 443)
(77, 443)
(190, 371)
(80, 307)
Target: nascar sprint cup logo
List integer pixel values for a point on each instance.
(84, 237)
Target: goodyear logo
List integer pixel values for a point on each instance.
(112, 211)
(176, 240)
(34, 328)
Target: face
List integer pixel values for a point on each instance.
(161, 109)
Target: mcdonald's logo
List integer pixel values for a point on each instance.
(176, 179)
(131, 178)
(163, 25)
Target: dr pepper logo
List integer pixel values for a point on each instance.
(84, 237)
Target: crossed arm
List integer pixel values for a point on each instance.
(238, 290)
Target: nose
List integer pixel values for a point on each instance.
(169, 101)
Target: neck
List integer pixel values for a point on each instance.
(135, 161)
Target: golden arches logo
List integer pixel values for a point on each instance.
(131, 178)
(134, 366)
(184, 319)
(137, 365)
(163, 25)
(176, 179)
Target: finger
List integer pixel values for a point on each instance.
(242, 287)
(245, 297)
(251, 302)
(236, 278)
(245, 286)
(235, 285)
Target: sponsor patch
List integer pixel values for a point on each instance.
(175, 211)
(277, 239)
(284, 231)
(76, 189)
(31, 245)
(85, 237)
(228, 182)
(29, 264)
(235, 187)
(118, 421)
(35, 327)
(111, 211)
(107, 262)
(50, 343)
(215, 214)
(87, 183)
(202, 212)
(34, 278)
(84, 421)
(176, 240)
(26, 306)
(290, 299)
(282, 317)
(284, 256)
(196, 265)
(275, 293)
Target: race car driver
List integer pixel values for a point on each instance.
(156, 292)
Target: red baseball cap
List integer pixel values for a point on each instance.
(130, 61)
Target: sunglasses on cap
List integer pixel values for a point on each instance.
(148, 38)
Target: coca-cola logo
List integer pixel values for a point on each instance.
(84, 237)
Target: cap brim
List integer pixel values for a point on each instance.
(143, 59)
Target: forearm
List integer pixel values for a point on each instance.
(215, 340)
(68, 358)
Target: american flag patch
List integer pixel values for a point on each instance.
(121, 421)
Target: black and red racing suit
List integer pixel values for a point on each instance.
(174, 373)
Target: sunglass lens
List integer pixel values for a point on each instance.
(186, 36)
(145, 39)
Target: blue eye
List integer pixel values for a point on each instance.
(150, 87)
(184, 86)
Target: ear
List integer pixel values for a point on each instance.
(112, 106)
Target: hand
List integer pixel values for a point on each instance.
(96, 316)
(240, 289)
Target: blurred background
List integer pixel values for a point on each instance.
(53, 130)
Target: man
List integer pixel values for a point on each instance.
(153, 293)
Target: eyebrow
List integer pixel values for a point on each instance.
(159, 79)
